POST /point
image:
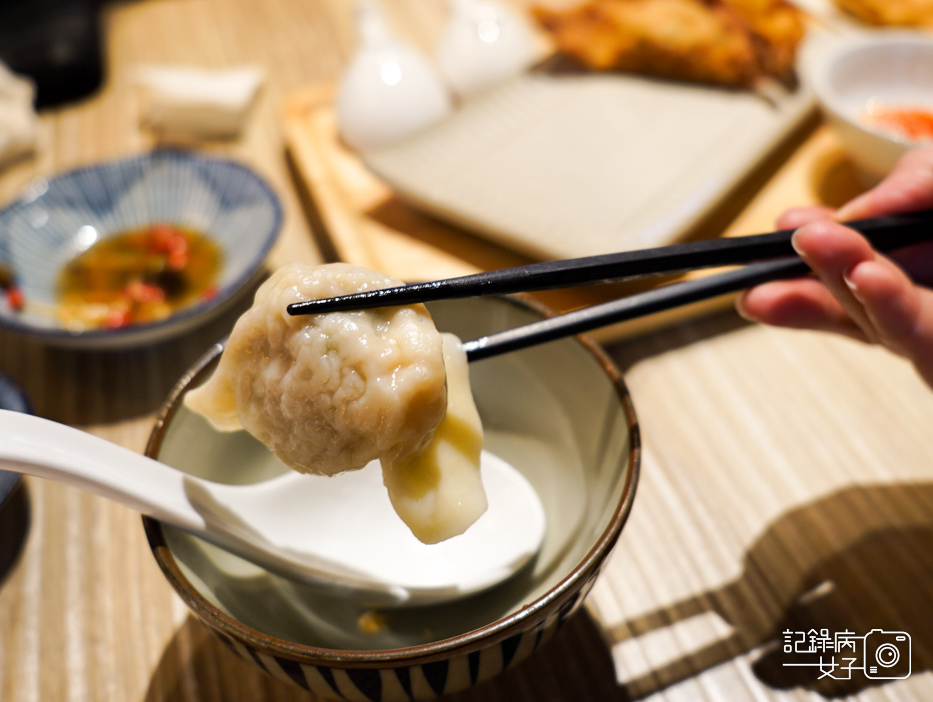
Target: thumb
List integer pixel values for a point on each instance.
(907, 188)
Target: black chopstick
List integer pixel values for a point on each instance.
(885, 233)
(632, 306)
(903, 231)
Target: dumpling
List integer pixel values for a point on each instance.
(329, 392)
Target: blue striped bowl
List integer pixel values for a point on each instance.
(220, 198)
(559, 413)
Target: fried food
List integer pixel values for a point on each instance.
(777, 27)
(908, 13)
(732, 43)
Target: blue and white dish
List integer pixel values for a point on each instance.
(52, 220)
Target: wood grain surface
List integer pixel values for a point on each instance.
(786, 475)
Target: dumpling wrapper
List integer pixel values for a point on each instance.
(438, 491)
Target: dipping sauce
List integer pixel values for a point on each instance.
(138, 276)
(913, 123)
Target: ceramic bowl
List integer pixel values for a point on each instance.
(559, 413)
(855, 78)
(55, 219)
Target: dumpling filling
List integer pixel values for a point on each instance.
(331, 392)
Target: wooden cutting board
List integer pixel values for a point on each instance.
(358, 219)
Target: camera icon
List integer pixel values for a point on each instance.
(887, 655)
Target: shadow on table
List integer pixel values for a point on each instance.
(574, 665)
(857, 561)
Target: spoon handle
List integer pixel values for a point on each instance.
(47, 449)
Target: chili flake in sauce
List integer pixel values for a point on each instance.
(138, 276)
(912, 123)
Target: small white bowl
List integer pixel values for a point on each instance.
(854, 75)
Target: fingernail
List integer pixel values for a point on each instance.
(853, 288)
(794, 241)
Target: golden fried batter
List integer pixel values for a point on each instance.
(777, 27)
(911, 13)
(725, 42)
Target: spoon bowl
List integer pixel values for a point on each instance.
(338, 535)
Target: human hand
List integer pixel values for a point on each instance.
(857, 291)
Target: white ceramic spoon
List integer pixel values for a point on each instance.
(337, 534)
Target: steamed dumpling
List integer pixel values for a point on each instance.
(329, 392)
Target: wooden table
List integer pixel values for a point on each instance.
(786, 476)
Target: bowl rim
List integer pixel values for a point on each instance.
(183, 318)
(826, 60)
(464, 643)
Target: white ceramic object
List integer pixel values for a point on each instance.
(560, 165)
(483, 43)
(19, 123)
(389, 91)
(893, 69)
(190, 101)
(339, 534)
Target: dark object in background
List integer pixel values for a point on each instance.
(14, 500)
(57, 43)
